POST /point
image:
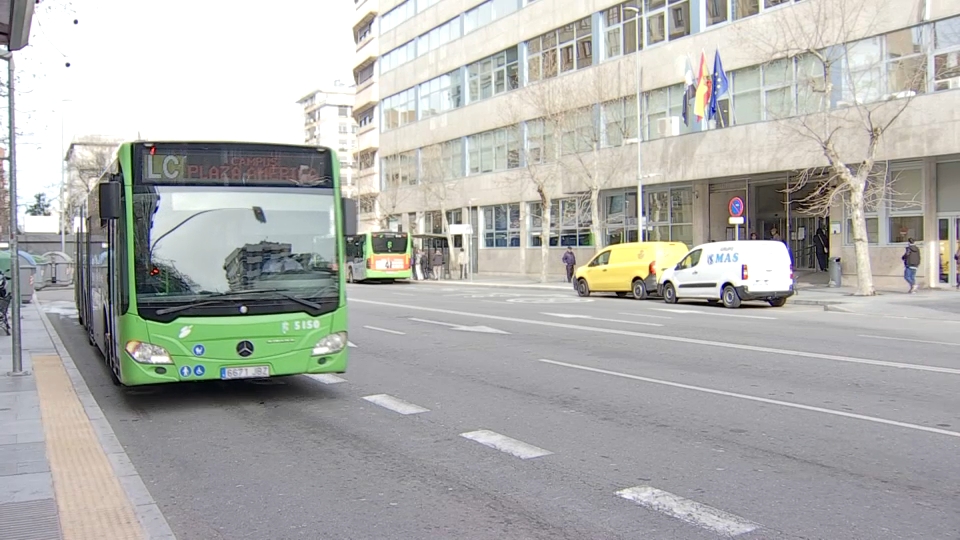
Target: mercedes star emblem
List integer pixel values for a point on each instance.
(244, 348)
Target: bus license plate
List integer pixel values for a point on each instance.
(248, 372)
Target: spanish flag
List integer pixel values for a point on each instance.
(703, 89)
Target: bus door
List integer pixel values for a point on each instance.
(356, 258)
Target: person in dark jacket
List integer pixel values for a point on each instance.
(570, 260)
(822, 245)
(911, 261)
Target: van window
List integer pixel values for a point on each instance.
(691, 260)
(601, 259)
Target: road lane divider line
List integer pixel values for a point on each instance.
(644, 315)
(396, 405)
(327, 378)
(700, 312)
(505, 444)
(947, 343)
(757, 399)
(351, 344)
(676, 339)
(599, 319)
(706, 517)
(387, 330)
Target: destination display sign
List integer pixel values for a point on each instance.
(236, 165)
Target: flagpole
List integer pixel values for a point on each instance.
(719, 116)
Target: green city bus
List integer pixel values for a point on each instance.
(209, 261)
(379, 256)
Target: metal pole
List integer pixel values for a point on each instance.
(14, 248)
(63, 183)
(640, 221)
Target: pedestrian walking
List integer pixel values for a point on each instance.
(911, 261)
(822, 245)
(570, 260)
(462, 262)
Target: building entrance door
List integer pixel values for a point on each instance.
(949, 247)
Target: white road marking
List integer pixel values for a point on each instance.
(506, 444)
(462, 328)
(402, 294)
(327, 378)
(677, 339)
(387, 330)
(351, 344)
(723, 523)
(698, 312)
(588, 317)
(757, 399)
(644, 315)
(947, 343)
(396, 405)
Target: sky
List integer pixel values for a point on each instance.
(174, 69)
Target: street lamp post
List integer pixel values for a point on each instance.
(641, 222)
(14, 248)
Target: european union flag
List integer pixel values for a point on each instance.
(720, 85)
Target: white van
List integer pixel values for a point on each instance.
(731, 272)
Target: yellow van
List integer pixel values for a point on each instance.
(630, 268)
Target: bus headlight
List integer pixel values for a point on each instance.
(330, 344)
(147, 353)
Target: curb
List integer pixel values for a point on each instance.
(151, 519)
(824, 303)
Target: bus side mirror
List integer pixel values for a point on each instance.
(349, 212)
(109, 195)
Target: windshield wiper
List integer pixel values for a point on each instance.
(213, 299)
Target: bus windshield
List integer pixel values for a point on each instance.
(382, 243)
(191, 243)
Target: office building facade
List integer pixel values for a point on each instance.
(481, 107)
(328, 121)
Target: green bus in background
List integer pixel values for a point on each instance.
(379, 256)
(200, 261)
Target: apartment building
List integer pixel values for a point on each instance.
(328, 121)
(484, 108)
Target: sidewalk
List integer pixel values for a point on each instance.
(937, 304)
(63, 473)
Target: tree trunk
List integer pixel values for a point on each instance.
(452, 257)
(860, 245)
(544, 235)
(596, 229)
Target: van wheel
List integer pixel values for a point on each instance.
(582, 288)
(730, 297)
(778, 302)
(639, 289)
(669, 294)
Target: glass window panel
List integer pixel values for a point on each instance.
(906, 190)
(716, 11)
(873, 231)
(745, 8)
(946, 33)
(656, 28)
(901, 228)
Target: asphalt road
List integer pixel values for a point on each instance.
(485, 413)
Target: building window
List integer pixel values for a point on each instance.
(398, 170)
(440, 94)
(362, 33)
(343, 111)
(558, 51)
(493, 75)
(367, 204)
(444, 161)
(424, 4)
(343, 128)
(663, 116)
(906, 62)
(365, 74)
(862, 71)
(441, 35)
(501, 225)
(620, 30)
(618, 120)
(433, 222)
(569, 222)
(578, 131)
(366, 159)
(366, 117)
(541, 142)
(670, 215)
(495, 150)
(412, 227)
(399, 109)
(946, 58)
(905, 204)
(397, 15)
(488, 12)
(399, 56)
(745, 89)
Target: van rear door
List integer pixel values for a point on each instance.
(768, 267)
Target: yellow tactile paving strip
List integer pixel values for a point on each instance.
(91, 501)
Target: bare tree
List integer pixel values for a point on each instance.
(539, 170)
(399, 174)
(438, 184)
(830, 41)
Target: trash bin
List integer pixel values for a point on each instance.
(836, 273)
